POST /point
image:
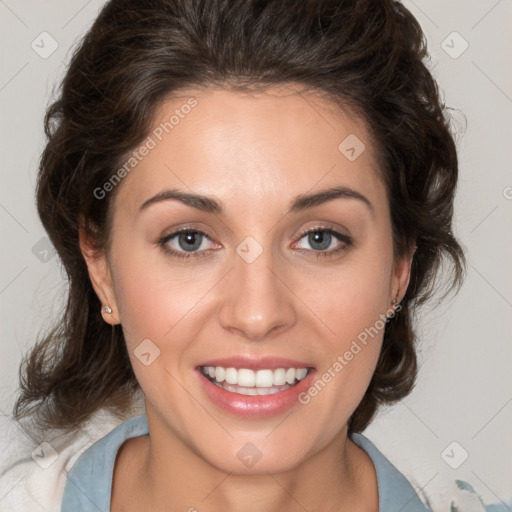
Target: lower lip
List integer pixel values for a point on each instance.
(255, 406)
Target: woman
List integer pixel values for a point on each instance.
(250, 200)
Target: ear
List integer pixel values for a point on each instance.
(100, 275)
(401, 276)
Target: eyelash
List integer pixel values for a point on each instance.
(347, 243)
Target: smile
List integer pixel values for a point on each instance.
(250, 382)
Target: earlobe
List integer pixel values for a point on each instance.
(100, 276)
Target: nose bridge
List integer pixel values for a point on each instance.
(257, 301)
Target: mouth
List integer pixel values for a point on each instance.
(255, 387)
(246, 381)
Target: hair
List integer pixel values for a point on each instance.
(363, 55)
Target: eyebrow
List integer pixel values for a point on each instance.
(301, 202)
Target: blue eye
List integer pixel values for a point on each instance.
(321, 238)
(188, 242)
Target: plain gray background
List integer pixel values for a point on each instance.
(464, 389)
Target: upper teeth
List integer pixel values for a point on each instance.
(260, 378)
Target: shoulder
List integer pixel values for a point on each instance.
(395, 491)
(33, 469)
(89, 482)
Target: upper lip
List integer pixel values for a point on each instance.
(256, 363)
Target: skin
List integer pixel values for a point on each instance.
(253, 153)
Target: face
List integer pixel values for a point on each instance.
(261, 279)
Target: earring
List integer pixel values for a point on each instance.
(393, 309)
(107, 309)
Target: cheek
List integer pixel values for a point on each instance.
(147, 300)
(353, 306)
(353, 297)
(158, 300)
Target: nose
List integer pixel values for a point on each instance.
(256, 300)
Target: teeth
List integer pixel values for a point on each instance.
(265, 378)
(301, 373)
(220, 373)
(252, 391)
(254, 379)
(246, 378)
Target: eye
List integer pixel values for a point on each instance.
(185, 243)
(325, 241)
(188, 242)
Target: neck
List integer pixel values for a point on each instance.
(163, 472)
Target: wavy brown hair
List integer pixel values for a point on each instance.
(366, 55)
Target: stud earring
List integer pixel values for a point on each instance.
(107, 309)
(394, 307)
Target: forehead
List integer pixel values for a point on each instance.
(266, 145)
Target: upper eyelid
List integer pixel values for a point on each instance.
(302, 234)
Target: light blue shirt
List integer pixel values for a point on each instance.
(89, 483)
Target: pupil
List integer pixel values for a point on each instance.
(191, 242)
(320, 237)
